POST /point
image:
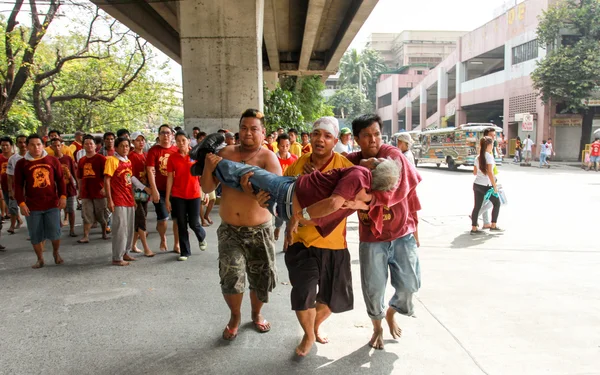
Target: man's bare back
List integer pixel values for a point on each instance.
(240, 209)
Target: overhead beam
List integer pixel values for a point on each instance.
(356, 15)
(166, 12)
(270, 35)
(314, 16)
(142, 19)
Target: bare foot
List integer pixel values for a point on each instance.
(305, 346)
(395, 330)
(149, 253)
(210, 222)
(105, 236)
(58, 259)
(120, 263)
(38, 264)
(163, 246)
(321, 337)
(136, 250)
(176, 249)
(376, 341)
(128, 258)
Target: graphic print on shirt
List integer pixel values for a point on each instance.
(66, 174)
(162, 164)
(41, 177)
(364, 215)
(88, 170)
(3, 167)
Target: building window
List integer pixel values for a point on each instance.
(384, 101)
(419, 72)
(403, 91)
(525, 52)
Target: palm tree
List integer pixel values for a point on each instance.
(354, 69)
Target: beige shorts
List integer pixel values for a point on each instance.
(93, 210)
(212, 196)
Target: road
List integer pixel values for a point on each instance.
(523, 302)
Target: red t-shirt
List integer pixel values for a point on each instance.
(78, 146)
(120, 174)
(91, 173)
(595, 151)
(138, 164)
(285, 163)
(39, 183)
(3, 175)
(158, 157)
(345, 182)
(68, 169)
(185, 185)
(392, 214)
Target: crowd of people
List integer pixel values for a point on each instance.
(312, 181)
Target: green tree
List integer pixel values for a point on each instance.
(281, 110)
(309, 98)
(349, 102)
(570, 73)
(375, 64)
(354, 70)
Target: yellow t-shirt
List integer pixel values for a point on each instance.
(66, 150)
(308, 234)
(275, 147)
(296, 149)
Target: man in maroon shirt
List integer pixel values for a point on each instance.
(156, 171)
(41, 193)
(388, 234)
(68, 168)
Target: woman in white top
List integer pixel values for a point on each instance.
(484, 181)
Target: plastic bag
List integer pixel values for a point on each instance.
(502, 195)
(486, 206)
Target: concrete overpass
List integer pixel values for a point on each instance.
(225, 46)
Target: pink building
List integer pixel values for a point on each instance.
(486, 79)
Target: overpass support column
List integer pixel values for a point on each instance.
(221, 53)
(423, 112)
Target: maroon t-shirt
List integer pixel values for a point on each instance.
(138, 165)
(68, 169)
(39, 183)
(345, 182)
(158, 157)
(392, 214)
(91, 173)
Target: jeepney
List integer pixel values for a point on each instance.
(454, 146)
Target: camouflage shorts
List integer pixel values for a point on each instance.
(247, 251)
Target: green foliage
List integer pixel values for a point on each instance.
(281, 110)
(310, 99)
(570, 73)
(349, 102)
(21, 119)
(362, 70)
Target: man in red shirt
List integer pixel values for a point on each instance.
(388, 234)
(90, 177)
(68, 169)
(156, 169)
(6, 144)
(141, 186)
(41, 193)
(286, 158)
(119, 198)
(594, 155)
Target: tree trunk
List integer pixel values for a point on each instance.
(586, 129)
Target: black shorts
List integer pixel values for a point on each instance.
(328, 270)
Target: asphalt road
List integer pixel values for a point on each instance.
(523, 302)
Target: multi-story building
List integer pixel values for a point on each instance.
(424, 47)
(384, 44)
(486, 79)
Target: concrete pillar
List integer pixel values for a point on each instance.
(394, 104)
(423, 112)
(271, 80)
(408, 114)
(461, 116)
(221, 53)
(442, 93)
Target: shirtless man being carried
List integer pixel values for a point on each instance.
(245, 235)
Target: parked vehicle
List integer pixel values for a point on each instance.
(454, 146)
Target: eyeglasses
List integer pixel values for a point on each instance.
(165, 133)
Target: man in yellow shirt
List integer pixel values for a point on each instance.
(66, 150)
(295, 146)
(314, 261)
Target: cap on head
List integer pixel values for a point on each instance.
(344, 131)
(229, 135)
(135, 135)
(329, 124)
(405, 137)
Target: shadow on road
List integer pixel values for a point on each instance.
(466, 240)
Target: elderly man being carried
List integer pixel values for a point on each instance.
(324, 199)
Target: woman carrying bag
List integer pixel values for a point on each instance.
(484, 181)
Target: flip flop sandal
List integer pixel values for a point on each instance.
(80, 241)
(232, 333)
(262, 327)
(11, 231)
